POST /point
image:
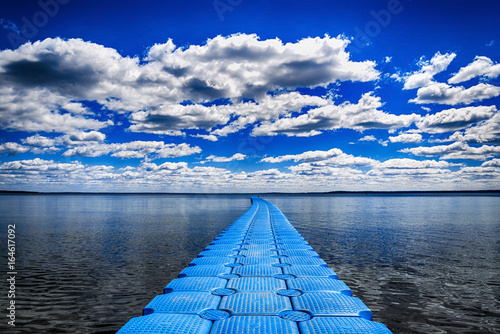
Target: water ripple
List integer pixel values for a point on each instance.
(422, 264)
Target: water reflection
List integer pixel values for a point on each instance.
(88, 264)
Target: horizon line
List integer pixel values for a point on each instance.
(253, 193)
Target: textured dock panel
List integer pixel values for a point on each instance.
(260, 241)
(257, 270)
(258, 276)
(254, 325)
(256, 284)
(319, 284)
(211, 260)
(304, 261)
(291, 240)
(299, 252)
(205, 271)
(255, 303)
(259, 246)
(286, 246)
(221, 240)
(195, 284)
(308, 271)
(258, 253)
(228, 246)
(341, 325)
(331, 304)
(249, 260)
(167, 323)
(220, 253)
(182, 302)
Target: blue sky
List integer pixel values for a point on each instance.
(249, 96)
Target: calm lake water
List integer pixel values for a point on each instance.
(89, 263)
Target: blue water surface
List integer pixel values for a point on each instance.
(89, 263)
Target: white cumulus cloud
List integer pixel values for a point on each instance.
(406, 138)
(12, 148)
(365, 114)
(333, 157)
(424, 76)
(455, 151)
(442, 93)
(411, 163)
(43, 82)
(234, 157)
(481, 66)
(368, 138)
(242, 65)
(455, 119)
(135, 149)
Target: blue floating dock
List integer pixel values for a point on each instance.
(258, 276)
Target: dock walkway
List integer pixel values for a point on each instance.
(259, 276)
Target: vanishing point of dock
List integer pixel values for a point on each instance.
(258, 276)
